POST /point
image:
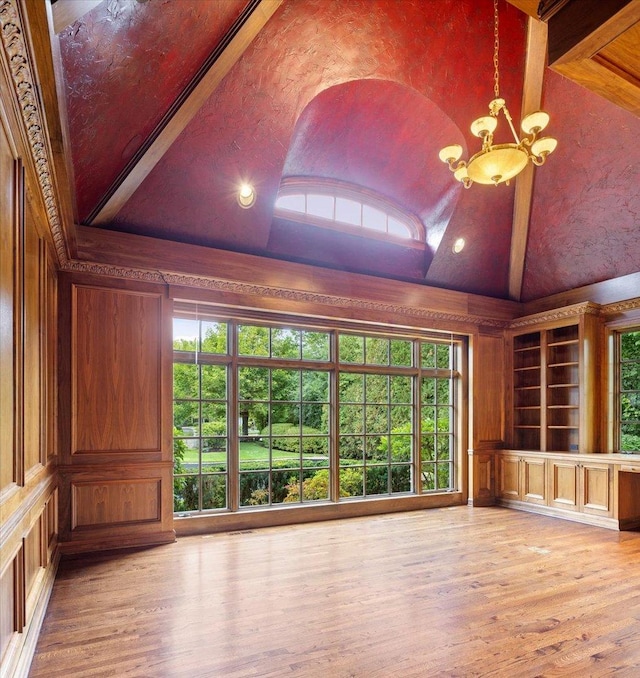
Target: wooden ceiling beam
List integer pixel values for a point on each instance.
(67, 12)
(231, 48)
(531, 101)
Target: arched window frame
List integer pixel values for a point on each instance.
(307, 186)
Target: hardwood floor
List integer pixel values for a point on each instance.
(454, 592)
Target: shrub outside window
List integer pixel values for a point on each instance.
(254, 406)
(629, 391)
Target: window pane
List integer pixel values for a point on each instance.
(315, 387)
(401, 353)
(253, 340)
(186, 416)
(315, 346)
(396, 227)
(253, 383)
(214, 338)
(401, 389)
(285, 343)
(214, 492)
(443, 356)
(351, 349)
(351, 388)
(348, 211)
(214, 382)
(377, 351)
(320, 205)
(285, 385)
(294, 203)
(427, 355)
(214, 419)
(315, 418)
(185, 334)
(373, 218)
(377, 388)
(185, 381)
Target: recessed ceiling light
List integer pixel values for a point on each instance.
(458, 246)
(246, 196)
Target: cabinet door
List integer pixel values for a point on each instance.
(509, 477)
(564, 485)
(596, 482)
(534, 480)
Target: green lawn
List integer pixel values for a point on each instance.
(248, 452)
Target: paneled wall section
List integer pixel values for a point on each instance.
(28, 492)
(116, 459)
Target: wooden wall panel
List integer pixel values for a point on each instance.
(28, 388)
(34, 354)
(114, 502)
(7, 619)
(8, 308)
(115, 376)
(117, 370)
(488, 391)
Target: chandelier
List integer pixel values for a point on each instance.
(499, 163)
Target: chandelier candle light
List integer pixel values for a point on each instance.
(498, 163)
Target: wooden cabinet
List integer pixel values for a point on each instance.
(522, 478)
(589, 488)
(554, 386)
(581, 486)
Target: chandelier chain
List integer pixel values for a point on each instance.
(496, 47)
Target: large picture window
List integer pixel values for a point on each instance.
(629, 391)
(268, 415)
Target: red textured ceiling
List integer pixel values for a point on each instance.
(125, 62)
(585, 219)
(365, 91)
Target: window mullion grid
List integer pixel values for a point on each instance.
(334, 420)
(233, 441)
(417, 415)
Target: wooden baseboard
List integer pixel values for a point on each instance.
(574, 516)
(21, 654)
(115, 543)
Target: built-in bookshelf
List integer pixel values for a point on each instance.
(554, 391)
(527, 391)
(563, 389)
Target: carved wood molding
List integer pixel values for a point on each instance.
(108, 270)
(255, 290)
(622, 306)
(325, 299)
(16, 55)
(584, 308)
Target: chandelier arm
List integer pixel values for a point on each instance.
(507, 115)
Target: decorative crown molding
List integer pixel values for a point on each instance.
(113, 271)
(326, 299)
(584, 308)
(622, 306)
(16, 54)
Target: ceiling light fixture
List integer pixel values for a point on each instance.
(498, 163)
(246, 196)
(458, 245)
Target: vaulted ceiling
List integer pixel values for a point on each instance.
(170, 104)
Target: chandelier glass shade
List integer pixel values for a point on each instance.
(499, 163)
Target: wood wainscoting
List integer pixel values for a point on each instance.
(116, 455)
(28, 340)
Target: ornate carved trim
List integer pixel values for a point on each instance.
(219, 285)
(330, 300)
(17, 58)
(114, 271)
(622, 306)
(584, 308)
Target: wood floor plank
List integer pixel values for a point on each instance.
(455, 592)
